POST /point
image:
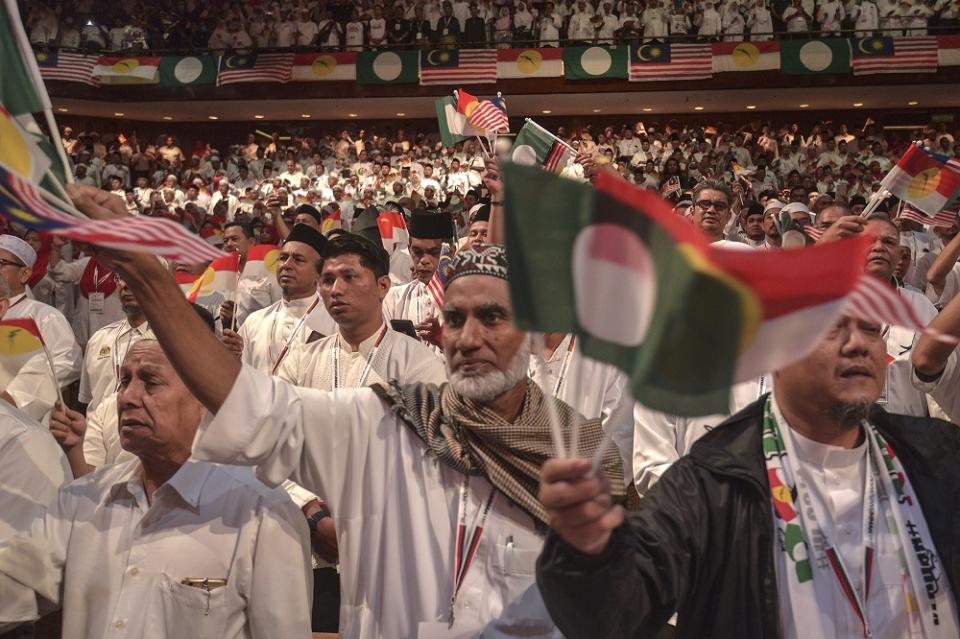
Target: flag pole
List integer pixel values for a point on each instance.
(575, 384)
(53, 370)
(875, 200)
(58, 143)
(556, 430)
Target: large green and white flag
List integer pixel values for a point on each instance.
(187, 70)
(388, 67)
(810, 57)
(644, 290)
(453, 124)
(592, 63)
(535, 146)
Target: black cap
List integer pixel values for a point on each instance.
(365, 225)
(308, 235)
(431, 225)
(309, 210)
(480, 213)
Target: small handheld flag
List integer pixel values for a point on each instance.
(21, 336)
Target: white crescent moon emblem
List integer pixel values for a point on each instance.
(640, 53)
(862, 42)
(231, 62)
(430, 59)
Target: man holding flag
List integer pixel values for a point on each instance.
(27, 380)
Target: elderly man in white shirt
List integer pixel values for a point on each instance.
(27, 380)
(171, 547)
(407, 471)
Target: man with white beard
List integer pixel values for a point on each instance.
(403, 469)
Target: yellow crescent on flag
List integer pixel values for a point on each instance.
(201, 286)
(14, 147)
(271, 261)
(127, 65)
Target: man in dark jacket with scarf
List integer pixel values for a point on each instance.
(811, 513)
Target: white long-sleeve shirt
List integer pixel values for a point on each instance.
(394, 505)
(267, 331)
(106, 351)
(116, 563)
(28, 379)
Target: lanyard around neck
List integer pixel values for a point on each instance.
(293, 335)
(467, 542)
(564, 366)
(367, 365)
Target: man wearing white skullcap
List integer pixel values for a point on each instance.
(25, 379)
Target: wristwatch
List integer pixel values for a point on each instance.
(315, 518)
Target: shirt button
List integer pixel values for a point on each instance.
(120, 623)
(134, 571)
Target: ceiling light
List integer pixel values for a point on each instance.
(304, 115)
(167, 117)
(212, 117)
(258, 116)
(698, 108)
(352, 115)
(804, 105)
(751, 107)
(400, 115)
(912, 103)
(119, 115)
(647, 110)
(546, 112)
(858, 104)
(596, 110)
(63, 110)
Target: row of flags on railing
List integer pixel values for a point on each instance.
(644, 62)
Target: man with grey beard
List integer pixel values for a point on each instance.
(432, 490)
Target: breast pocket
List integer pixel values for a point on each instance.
(187, 611)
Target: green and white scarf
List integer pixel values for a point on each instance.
(815, 572)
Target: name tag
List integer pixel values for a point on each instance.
(446, 32)
(97, 302)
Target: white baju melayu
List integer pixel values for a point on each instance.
(593, 389)
(117, 562)
(88, 317)
(27, 378)
(254, 293)
(267, 331)
(397, 356)
(394, 505)
(32, 470)
(106, 351)
(661, 439)
(900, 395)
(410, 302)
(401, 267)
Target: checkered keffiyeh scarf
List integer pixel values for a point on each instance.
(474, 440)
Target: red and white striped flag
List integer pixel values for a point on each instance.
(490, 117)
(874, 300)
(458, 66)
(912, 214)
(264, 67)
(438, 283)
(659, 61)
(945, 218)
(67, 67)
(894, 55)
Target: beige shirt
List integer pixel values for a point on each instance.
(116, 563)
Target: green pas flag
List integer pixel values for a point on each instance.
(809, 57)
(643, 289)
(21, 88)
(188, 70)
(590, 63)
(388, 67)
(453, 124)
(535, 146)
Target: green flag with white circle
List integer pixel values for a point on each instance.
(591, 63)
(188, 70)
(811, 57)
(388, 67)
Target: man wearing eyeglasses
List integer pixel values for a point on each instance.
(26, 379)
(711, 213)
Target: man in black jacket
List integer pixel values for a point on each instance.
(721, 539)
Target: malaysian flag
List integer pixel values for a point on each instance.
(884, 54)
(22, 202)
(661, 61)
(264, 67)
(439, 280)
(943, 219)
(463, 66)
(490, 116)
(67, 67)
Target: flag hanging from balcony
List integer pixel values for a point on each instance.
(458, 66)
(264, 67)
(662, 61)
(883, 54)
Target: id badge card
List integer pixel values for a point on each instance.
(446, 32)
(97, 302)
(442, 630)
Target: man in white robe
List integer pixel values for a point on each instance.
(26, 380)
(254, 291)
(268, 334)
(397, 486)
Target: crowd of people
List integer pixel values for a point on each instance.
(351, 26)
(411, 501)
